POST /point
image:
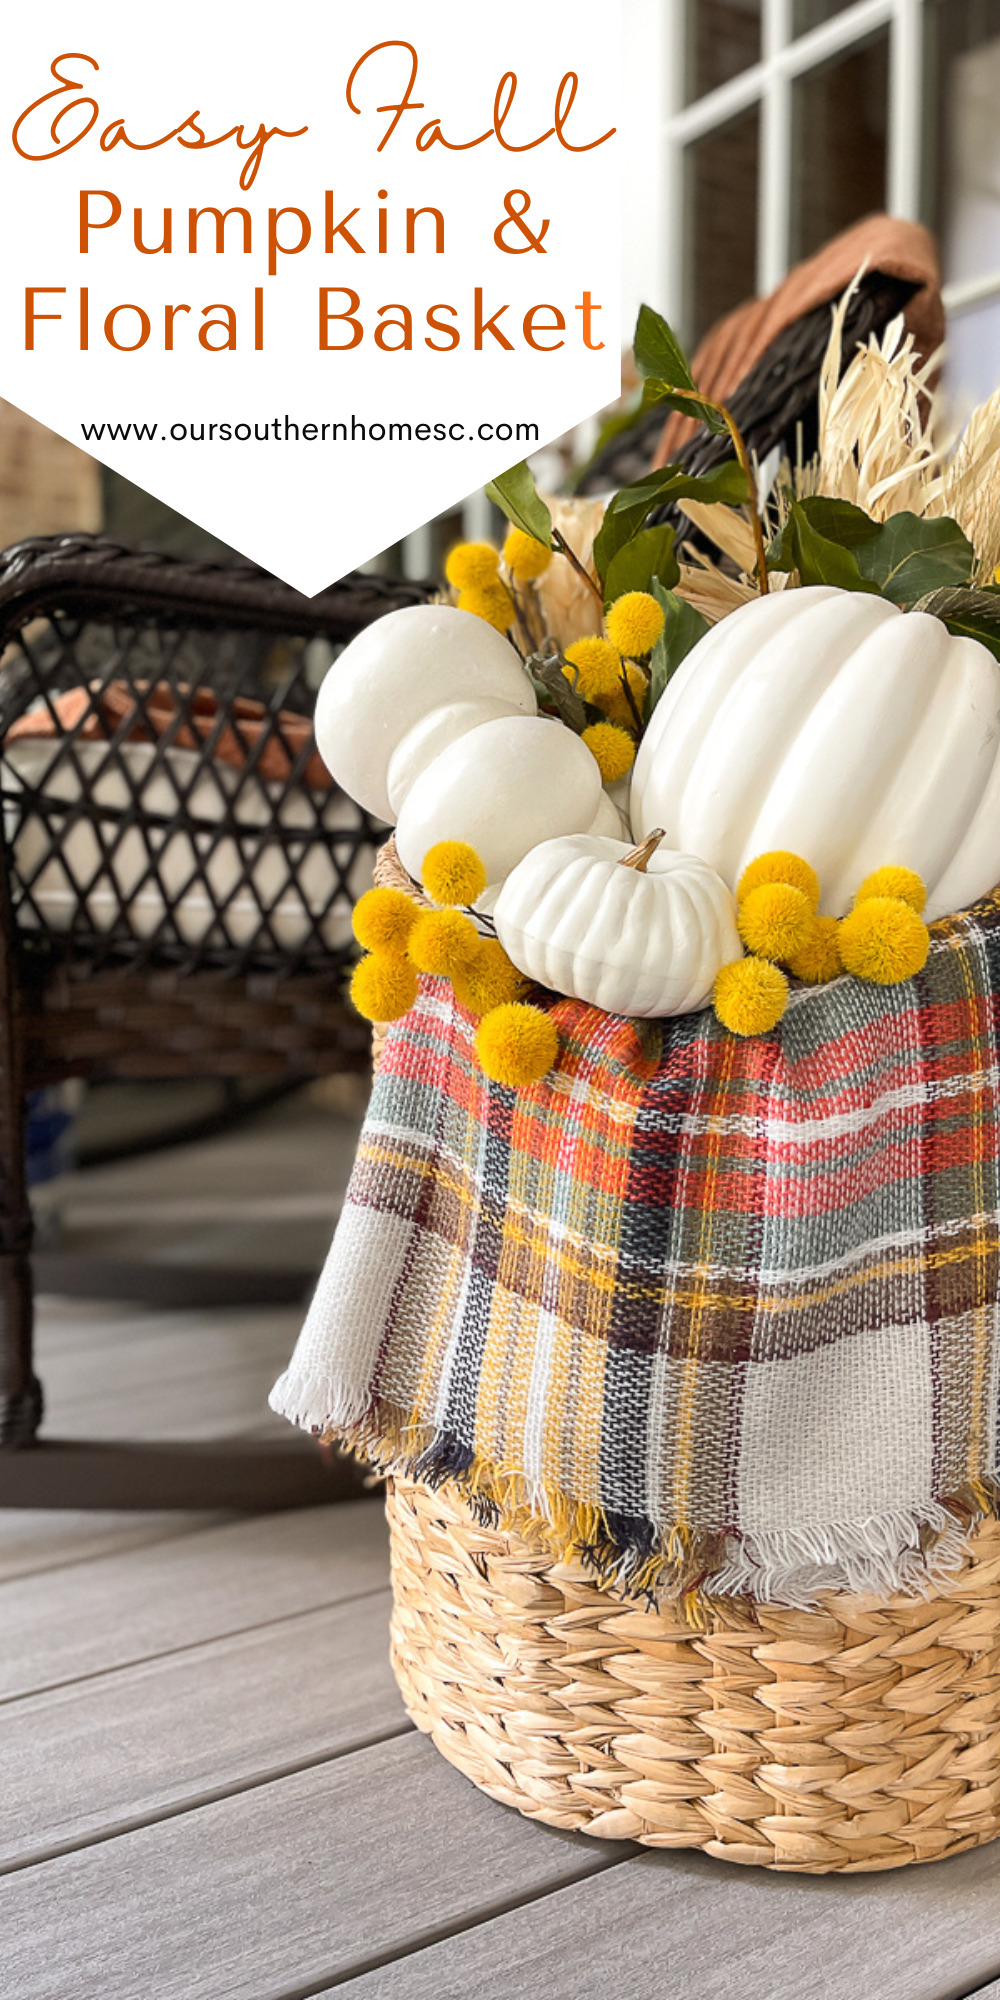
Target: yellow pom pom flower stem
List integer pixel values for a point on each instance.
(884, 940)
(775, 920)
(612, 749)
(634, 624)
(902, 884)
(453, 873)
(780, 866)
(598, 669)
(617, 707)
(472, 565)
(525, 558)
(383, 986)
(517, 1044)
(443, 942)
(490, 981)
(490, 601)
(818, 960)
(383, 919)
(750, 996)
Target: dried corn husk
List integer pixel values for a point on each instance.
(569, 609)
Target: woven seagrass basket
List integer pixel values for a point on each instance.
(862, 1735)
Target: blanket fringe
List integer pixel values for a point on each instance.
(909, 1551)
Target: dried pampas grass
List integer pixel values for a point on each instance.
(879, 444)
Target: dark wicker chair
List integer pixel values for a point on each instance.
(163, 913)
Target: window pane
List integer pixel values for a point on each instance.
(722, 221)
(974, 355)
(962, 151)
(840, 145)
(723, 38)
(808, 14)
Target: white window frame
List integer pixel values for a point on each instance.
(769, 84)
(661, 126)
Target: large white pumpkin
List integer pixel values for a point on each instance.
(831, 723)
(502, 787)
(428, 661)
(575, 917)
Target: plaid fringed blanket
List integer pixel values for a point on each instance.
(721, 1316)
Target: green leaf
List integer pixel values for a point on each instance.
(909, 557)
(835, 521)
(662, 363)
(839, 521)
(627, 511)
(659, 352)
(818, 560)
(969, 614)
(656, 391)
(682, 629)
(649, 555)
(517, 496)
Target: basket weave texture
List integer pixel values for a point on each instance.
(859, 1736)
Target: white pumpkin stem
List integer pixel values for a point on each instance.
(640, 857)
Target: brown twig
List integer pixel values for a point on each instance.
(630, 698)
(739, 446)
(559, 542)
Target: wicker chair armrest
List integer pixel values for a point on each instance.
(85, 575)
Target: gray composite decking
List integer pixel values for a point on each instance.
(210, 1790)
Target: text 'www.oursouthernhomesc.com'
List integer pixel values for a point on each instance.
(286, 430)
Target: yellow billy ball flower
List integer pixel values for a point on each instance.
(750, 996)
(780, 867)
(453, 872)
(525, 558)
(383, 919)
(775, 920)
(612, 750)
(443, 942)
(818, 960)
(634, 623)
(884, 940)
(490, 981)
(384, 986)
(472, 565)
(490, 601)
(598, 667)
(902, 884)
(517, 1044)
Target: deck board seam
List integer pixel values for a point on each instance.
(252, 1782)
(193, 1645)
(116, 1555)
(107, 1555)
(376, 1962)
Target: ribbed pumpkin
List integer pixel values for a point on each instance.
(641, 932)
(833, 724)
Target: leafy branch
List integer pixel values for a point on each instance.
(668, 378)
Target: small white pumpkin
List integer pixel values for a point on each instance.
(429, 660)
(639, 931)
(502, 787)
(831, 723)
